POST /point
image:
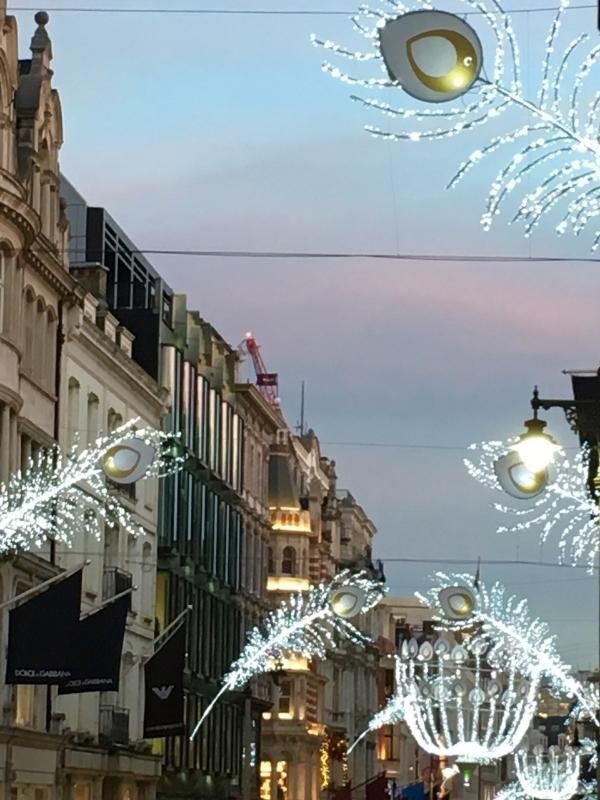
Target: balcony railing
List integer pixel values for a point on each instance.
(114, 725)
(116, 581)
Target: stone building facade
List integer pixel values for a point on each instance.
(318, 706)
(101, 388)
(36, 291)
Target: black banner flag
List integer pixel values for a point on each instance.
(40, 633)
(163, 673)
(96, 650)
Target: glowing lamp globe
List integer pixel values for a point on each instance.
(536, 448)
(347, 602)
(457, 602)
(518, 481)
(128, 461)
(548, 775)
(433, 55)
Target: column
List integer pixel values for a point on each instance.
(4, 443)
(97, 788)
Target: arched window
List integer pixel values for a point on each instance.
(28, 329)
(93, 409)
(270, 562)
(73, 409)
(4, 293)
(9, 305)
(40, 338)
(288, 561)
(50, 361)
(113, 420)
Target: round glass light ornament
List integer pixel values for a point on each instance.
(457, 602)
(128, 461)
(435, 56)
(517, 480)
(347, 601)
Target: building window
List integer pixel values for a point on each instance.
(270, 561)
(167, 310)
(24, 706)
(29, 319)
(113, 420)
(93, 409)
(50, 327)
(2, 288)
(73, 409)
(288, 561)
(81, 791)
(285, 697)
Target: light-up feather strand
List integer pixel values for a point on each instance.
(306, 624)
(563, 128)
(62, 495)
(566, 503)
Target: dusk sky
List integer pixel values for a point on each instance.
(220, 132)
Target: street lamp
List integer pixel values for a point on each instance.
(536, 448)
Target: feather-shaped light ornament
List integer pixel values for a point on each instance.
(307, 624)
(565, 504)
(557, 151)
(60, 495)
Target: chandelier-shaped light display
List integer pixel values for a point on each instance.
(472, 692)
(554, 154)
(307, 625)
(62, 495)
(560, 500)
(457, 706)
(551, 774)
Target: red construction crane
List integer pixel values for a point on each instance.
(267, 382)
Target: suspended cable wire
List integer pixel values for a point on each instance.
(250, 12)
(334, 255)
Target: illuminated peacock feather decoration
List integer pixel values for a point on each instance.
(557, 149)
(562, 502)
(308, 624)
(63, 494)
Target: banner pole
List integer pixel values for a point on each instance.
(44, 585)
(172, 625)
(107, 602)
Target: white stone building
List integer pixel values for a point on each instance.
(63, 365)
(101, 388)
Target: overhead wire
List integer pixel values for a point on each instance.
(372, 256)
(259, 12)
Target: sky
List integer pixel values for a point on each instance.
(220, 132)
